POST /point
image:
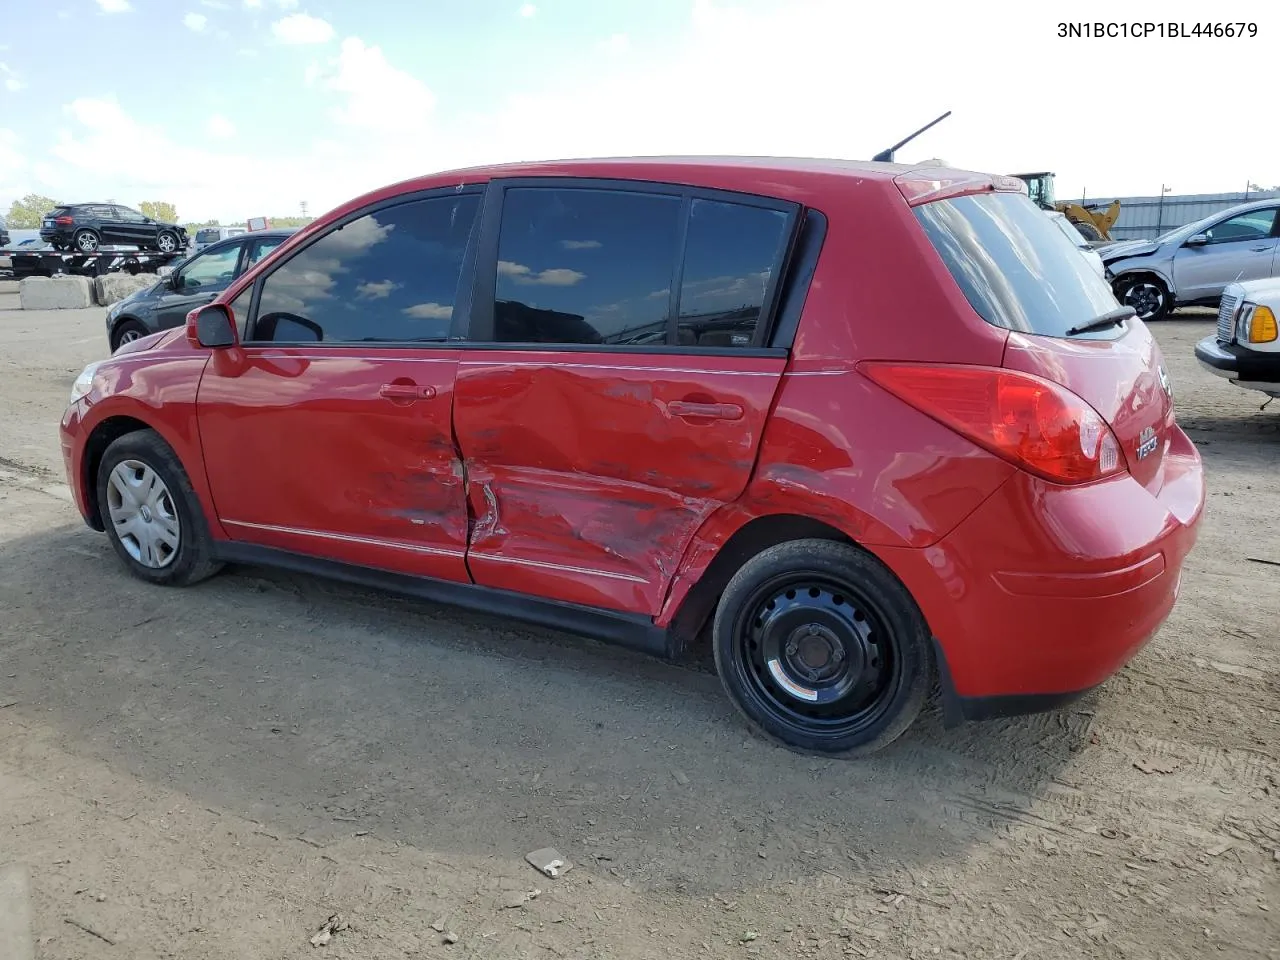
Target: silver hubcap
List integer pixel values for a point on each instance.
(143, 514)
(166, 243)
(87, 242)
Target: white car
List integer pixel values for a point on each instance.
(1246, 347)
(1076, 237)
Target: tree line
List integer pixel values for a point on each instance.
(26, 214)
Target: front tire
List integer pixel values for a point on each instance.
(126, 332)
(822, 648)
(167, 242)
(151, 513)
(1149, 297)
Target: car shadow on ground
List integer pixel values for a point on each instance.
(296, 700)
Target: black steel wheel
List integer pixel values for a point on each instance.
(822, 648)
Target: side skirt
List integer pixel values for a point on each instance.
(626, 630)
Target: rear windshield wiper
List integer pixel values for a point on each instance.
(1108, 319)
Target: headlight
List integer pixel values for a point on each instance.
(1257, 324)
(84, 382)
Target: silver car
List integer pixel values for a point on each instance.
(1192, 265)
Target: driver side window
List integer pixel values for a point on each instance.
(1254, 225)
(210, 270)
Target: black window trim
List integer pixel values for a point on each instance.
(464, 284)
(478, 332)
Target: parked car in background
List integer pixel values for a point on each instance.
(192, 283)
(1078, 241)
(208, 235)
(865, 427)
(4, 233)
(84, 227)
(1245, 348)
(1193, 264)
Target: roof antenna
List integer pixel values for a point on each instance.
(886, 156)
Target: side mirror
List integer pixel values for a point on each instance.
(212, 327)
(1199, 240)
(174, 281)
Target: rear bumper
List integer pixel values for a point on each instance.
(1045, 591)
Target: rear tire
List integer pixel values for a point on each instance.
(822, 648)
(86, 241)
(151, 513)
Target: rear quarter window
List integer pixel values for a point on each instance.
(1017, 269)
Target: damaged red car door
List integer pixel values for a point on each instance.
(616, 387)
(327, 431)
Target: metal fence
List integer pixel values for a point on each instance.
(1143, 218)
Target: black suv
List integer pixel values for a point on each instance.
(4, 233)
(83, 227)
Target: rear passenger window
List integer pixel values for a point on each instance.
(731, 254)
(585, 266)
(389, 276)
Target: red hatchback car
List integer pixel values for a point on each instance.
(873, 429)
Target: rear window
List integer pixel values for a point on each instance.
(1016, 267)
(206, 236)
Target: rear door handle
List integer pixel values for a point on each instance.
(711, 411)
(406, 391)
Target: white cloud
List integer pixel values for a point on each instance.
(617, 44)
(554, 277)
(220, 127)
(528, 10)
(377, 289)
(581, 244)
(12, 82)
(299, 28)
(214, 4)
(115, 6)
(378, 96)
(195, 21)
(429, 311)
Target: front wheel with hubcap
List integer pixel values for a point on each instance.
(127, 331)
(167, 242)
(151, 513)
(822, 648)
(1149, 297)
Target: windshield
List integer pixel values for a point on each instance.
(1017, 269)
(206, 236)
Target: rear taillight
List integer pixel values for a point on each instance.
(1033, 423)
(65, 221)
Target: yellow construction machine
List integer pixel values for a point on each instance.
(1094, 224)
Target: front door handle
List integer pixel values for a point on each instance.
(406, 391)
(1263, 249)
(710, 411)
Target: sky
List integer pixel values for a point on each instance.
(238, 108)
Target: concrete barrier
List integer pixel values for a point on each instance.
(55, 293)
(116, 286)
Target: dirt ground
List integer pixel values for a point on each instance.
(212, 773)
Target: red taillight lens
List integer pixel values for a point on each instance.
(1033, 423)
(65, 221)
